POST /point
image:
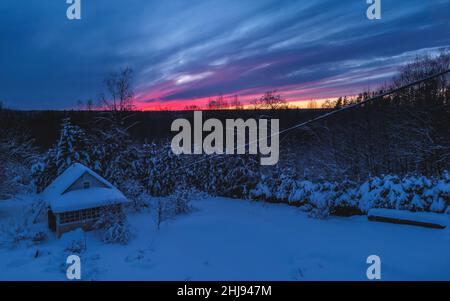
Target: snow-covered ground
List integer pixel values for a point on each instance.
(225, 239)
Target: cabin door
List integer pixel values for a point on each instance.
(51, 220)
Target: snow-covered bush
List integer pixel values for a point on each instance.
(135, 192)
(231, 176)
(179, 202)
(141, 202)
(74, 242)
(320, 211)
(385, 192)
(36, 211)
(303, 191)
(315, 198)
(413, 193)
(419, 191)
(161, 169)
(344, 197)
(265, 188)
(286, 186)
(19, 230)
(113, 226)
(23, 227)
(441, 194)
(262, 190)
(14, 179)
(16, 155)
(278, 186)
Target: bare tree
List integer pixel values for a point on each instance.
(271, 101)
(192, 108)
(236, 103)
(312, 104)
(329, 104)
(218, 103)
(120, 95)
(79, 105)
(89, 104)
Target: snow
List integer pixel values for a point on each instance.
(61, 201)
(421, 217)
(67, 178)
(87, 198)
(226, 239)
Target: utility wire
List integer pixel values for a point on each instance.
(326, 115)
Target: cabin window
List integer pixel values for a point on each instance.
(70, 217)
(81, 215)
(86, 184)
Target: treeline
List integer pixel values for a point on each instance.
(407, 131)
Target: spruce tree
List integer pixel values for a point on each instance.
(72, 146)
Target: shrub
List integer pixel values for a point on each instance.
(22, 227)
(344, 198)
(113, 226)
(179, 202)
(74, 242)
(135, 192)
(413, 193)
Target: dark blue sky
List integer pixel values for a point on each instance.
(185, 51)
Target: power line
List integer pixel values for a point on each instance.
(327, 115)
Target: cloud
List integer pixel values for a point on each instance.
(188, 78)
(188, 51)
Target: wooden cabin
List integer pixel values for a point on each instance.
(77, 197)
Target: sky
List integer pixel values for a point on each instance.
(185, 52)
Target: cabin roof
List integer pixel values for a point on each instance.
(61, 200)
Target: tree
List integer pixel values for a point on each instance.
(218, 103)
(72, 146)
(89, 104)
(312, 104)
(119, 88)
(424, 124)
(236, 103)
(271, 101)
(16, 155)
(80, 104)
(192, 108)
(329, 104)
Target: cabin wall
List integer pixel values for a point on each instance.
(86, 225)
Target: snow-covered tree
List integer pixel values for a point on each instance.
(16, 155)
(72, 146)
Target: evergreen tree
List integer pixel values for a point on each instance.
(72, 147)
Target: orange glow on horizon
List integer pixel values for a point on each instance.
(202, 104)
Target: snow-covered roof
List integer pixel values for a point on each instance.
(86, 198)
(61, 200)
